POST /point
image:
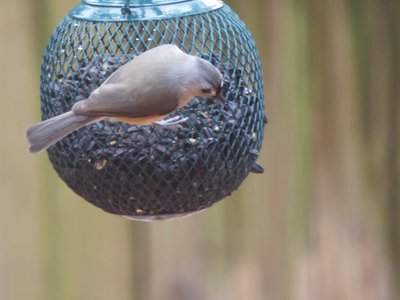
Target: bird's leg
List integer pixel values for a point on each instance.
(171, 122)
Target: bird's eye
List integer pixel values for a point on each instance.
(206, 91)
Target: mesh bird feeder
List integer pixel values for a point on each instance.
(151, 172)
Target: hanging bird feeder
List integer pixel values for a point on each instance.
(151, 172)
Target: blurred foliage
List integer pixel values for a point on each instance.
(323, 222)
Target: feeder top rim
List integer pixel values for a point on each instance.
(140, 10)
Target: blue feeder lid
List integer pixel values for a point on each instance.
(135, 10)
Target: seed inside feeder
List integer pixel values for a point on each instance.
(161, 170)
(101, 164)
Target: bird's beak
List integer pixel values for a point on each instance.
(220, 98)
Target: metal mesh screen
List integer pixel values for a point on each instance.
(152, 171)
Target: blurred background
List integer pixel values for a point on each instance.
(322, 222)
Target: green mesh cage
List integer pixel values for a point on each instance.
(150, 172)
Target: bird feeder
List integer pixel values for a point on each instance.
(151, 172)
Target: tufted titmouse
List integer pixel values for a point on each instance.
(143, 91)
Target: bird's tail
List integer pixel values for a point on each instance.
(44, 134)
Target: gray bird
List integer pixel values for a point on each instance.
(143, 91)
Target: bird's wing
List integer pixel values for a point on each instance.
(113, 99)
(108, 100)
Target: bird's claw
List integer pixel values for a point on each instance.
(172, 122)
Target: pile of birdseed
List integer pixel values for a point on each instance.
(152, 170)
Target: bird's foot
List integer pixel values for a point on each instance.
(172, 122)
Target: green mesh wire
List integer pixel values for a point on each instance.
(150, 171)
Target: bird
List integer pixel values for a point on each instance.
(141, 92)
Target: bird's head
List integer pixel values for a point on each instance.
(210, 81)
